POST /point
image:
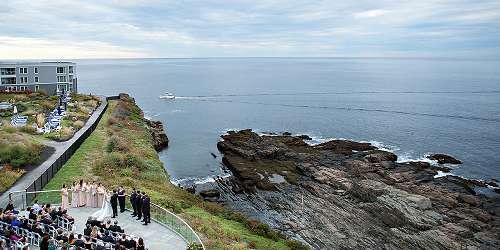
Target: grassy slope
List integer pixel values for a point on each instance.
(130, 160)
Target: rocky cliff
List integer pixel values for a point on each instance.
(349, 195)
(160, 139)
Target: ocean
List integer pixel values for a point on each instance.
(412, 107)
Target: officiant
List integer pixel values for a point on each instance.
(121, 199)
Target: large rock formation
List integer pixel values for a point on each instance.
(160, 139)
(350, 195)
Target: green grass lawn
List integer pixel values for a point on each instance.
(120, 152)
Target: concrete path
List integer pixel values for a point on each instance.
(156, 236)
(60, 147)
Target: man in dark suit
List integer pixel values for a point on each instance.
(146, 208)
(138, 204)
(133, 195)
(121, 199)
(114, 203)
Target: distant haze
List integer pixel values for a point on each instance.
(60, 29)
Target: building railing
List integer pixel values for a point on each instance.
(158, 214)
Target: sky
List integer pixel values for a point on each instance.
(61, 29)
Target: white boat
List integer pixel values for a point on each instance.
(167, 95)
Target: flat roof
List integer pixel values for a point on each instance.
(33, 63)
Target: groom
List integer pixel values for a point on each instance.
(114, 203)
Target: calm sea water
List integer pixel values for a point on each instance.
(413, 107)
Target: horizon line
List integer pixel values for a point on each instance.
(267, 57)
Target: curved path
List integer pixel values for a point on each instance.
(155, 235)
(60, 147)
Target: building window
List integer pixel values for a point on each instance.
(36, 78)
(24, 79)
(60, 70)
(37, 88)
(22, 88)
(23, 70)
(70, 69)
(35, 70)
(61, 78)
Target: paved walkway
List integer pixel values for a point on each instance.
(60, 148)
(156, 236)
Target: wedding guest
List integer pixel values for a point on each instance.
(95, 233)
(140, 245)
(101, 191)
(64, 197)
(116, 228)
(82, 197)
(71, 239)
(75, 189)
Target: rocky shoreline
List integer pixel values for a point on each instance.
(343, 195)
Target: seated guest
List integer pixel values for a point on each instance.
(131, 244)
(14, 221)
(107, 225)
(87, 230)
(64, 214)
(79, 242)
(88, 242)
(93, 222)
(108, 238)
(10, 207)
(116, 228)
(36, 207)
(71, 239)
(44, 244)
(32, 214)
(95, 233)
(61, 236)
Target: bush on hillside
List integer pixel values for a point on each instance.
(20, 156)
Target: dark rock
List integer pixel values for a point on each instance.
(287, 134)
(211, 193)
(160, 139)
(213, 155)
(444, 159)
(342, 190)
(305, 137)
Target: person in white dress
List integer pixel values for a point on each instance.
(106, 211)
(100, 194)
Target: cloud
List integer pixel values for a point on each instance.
(370, 13)
(191, 28)
(33, 48)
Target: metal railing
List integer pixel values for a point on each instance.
(158, 214)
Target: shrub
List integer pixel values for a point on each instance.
(29, 130)
(78, 124)
(19, 156)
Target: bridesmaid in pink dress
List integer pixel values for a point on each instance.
(64, 198)
(93, 193)
(82, 198)
(88, 195)
(75, 190)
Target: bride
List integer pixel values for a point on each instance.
(106, 210)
